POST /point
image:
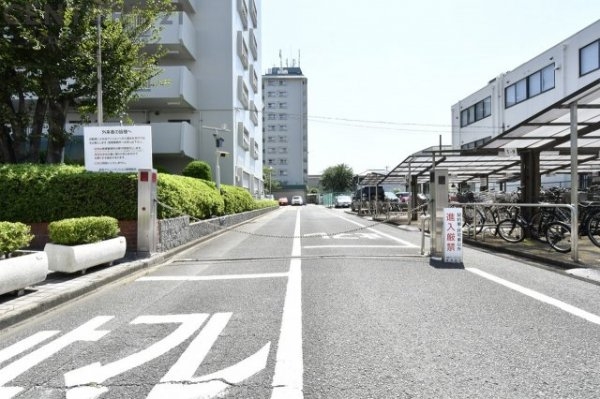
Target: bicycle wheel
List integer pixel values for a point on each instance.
(593, 229)
(558, 235)
(511, 230)
(473, 218)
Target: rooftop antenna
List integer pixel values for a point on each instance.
(280, 59)
(298, 58)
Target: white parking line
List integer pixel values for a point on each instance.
(539, 296)
(354, 246)
(289, 366)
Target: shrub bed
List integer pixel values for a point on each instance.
(13, 236)
(84, 230)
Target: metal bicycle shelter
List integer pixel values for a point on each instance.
(562, 138)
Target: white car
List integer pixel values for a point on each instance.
(342, 201)
(297, 200)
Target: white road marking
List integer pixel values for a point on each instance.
(25, 344)
(96, 373)
(289, 366)
(86, 332)
(179, 382)
(404, 243)
(539, 296)
(211, 278)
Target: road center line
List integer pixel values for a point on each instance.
(289, 365)
(539, 296)
(216, 277)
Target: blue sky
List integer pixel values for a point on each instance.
(383, 74)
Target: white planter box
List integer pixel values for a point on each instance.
(70, 259)
(22, 271)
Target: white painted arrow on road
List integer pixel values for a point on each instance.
(95, 373)
(180, 383)
(86, 332)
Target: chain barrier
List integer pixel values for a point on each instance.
(221, 226)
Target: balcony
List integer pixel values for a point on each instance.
(242, 49)
(253, 79)
(253, 13)
(177, 37)
(243, 136)
(253, 44)
(243, 94)
(253, 113)
(174, 88)
(255, 150)
(189, 6)
(175, 138)
(243, 11)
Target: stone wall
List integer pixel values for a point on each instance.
(178, 231)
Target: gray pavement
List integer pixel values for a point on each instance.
(60, 288)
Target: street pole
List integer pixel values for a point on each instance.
(99, 69)
(218, 169)
(270, 179)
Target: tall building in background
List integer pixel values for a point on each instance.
(285, 132)
(210, 86)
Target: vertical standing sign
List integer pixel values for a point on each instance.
(452, 235)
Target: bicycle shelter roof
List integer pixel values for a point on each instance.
(548, 131)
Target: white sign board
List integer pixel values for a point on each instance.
(452, 235)
(117, 148)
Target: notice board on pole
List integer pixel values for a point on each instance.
(452, 235)
(117, 148)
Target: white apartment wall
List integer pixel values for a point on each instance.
(564, 56)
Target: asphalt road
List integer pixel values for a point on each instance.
(316, 303)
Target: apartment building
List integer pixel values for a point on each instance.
(209, 88)
(285, 132)
(564, 71)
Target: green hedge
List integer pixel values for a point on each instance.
(84, 230)
(188, 195)
(45, 193)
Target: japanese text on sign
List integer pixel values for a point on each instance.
(452, 235)
(117, 148)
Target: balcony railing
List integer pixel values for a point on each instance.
(242, 49)
(175, 138)
(189, 6)
(243, 11)
(243, 94)
(177, 37)
(253, 44)
(253, 113)
(174, 88)
(253, 78)
(253, 13)
(243, 136)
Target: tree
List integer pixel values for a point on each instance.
(337, 178)
(48, 51)
(270, 184)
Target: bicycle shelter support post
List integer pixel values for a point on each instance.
(574, 184)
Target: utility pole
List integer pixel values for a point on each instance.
(99, 70)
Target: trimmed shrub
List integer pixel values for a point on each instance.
(265, 203)
(14, 236)
(199, 170)
(237, 199)
(84, 230)
(188, 196)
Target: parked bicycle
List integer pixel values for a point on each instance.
(517, 227)
(558, 233)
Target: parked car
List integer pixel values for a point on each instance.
(283, 201)
(297, 200)
(342, 201)
(403, 196)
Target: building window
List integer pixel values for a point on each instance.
(534, 84)
(589, 58)
(282, 117)
(476, 112)
(282, 105)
